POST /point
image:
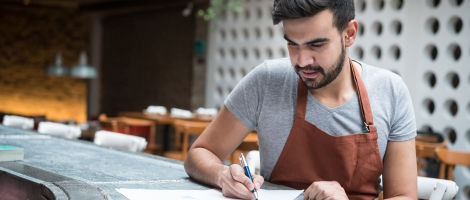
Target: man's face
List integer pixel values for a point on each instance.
(316, 48)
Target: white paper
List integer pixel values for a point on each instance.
(212, 194)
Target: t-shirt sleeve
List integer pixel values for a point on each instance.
(403, 123)
(246, 98)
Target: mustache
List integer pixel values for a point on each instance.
(310, 68)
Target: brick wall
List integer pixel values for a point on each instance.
(29, 39)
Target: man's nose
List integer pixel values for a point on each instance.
(305, 58)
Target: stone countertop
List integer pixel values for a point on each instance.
(75, 169)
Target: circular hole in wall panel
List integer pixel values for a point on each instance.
(451, 107)
(377, 52)
(468, 136)
(221, 53)
(270, 32)
(377, 27)
(269, 10)
(234, 34)
(282, 52)
(233, 53)
(428, 105)
(451, 134)
(220, 92)
(456, 3)
(358, 53)
(235, 15)
(431, 52)
(257, 33)
(433, 3)
(379, 5)
(455, 24)
(432, 25)
(430, 79)
(243, 72)
(246, 34)
(468, 109)
(269, 53)
(397, 4)
(454, 51)
(222, 34)
(361, 5)
(259, 13)
(232, 72)
(247, 13)
(426, 129)
(395, 52)
(245, 53)
(360, 29)
(220, 72)
(257, 53)
(396, 27)
(223, 15)
(453, 79)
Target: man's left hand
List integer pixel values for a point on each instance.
(325, 190)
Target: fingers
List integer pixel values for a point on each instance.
(325, 190)
(238, 174)
(236, 184)
(258, 180)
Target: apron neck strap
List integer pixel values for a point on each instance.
(362, 95)
(301, 99)
(364, 103)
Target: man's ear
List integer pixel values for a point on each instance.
(350, 33)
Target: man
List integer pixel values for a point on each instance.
(325, 123)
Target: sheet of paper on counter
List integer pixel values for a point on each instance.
(211, 194)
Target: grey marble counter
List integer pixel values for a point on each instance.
(73, 169)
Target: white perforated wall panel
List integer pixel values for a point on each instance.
(427, 42)
(237, 43)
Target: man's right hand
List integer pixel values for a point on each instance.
(235, 184)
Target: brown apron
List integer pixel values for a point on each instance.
(311, 154)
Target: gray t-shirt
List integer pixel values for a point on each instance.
(266, 99)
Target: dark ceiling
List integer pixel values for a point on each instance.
(104, 7)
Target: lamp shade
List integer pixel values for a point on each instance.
(57, 69)
(83, 70)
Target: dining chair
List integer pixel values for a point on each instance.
(250, 143)
(186, 129)
(426, 150)
(449, 159)
(132, 126)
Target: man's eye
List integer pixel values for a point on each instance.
(316, 45)
(291, 44)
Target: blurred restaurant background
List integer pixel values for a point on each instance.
(139, 66)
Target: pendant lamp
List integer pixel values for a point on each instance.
(83, 70)
(57, 69)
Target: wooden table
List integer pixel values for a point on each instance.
(165, 121)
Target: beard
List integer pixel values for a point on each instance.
(328, 77)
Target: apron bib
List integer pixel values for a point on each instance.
(310, 154)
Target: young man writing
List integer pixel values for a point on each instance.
(325, 123)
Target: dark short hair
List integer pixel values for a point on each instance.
(343, 10)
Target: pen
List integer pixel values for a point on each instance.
(247, 171)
